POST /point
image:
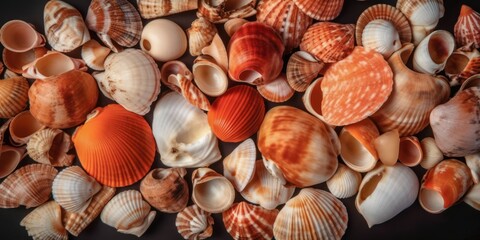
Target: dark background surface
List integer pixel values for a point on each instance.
(459, 222)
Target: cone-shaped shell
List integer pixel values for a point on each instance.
(45, 222)
(247, 221)
(345, 182)
(13, 96)
(237, 114)
(165, 189)
(22, 127)
(302, 69)
(323, 10)
(221, 11)
(94, 54)
(30, 185)
(115, 146)
(11, 157)
(194, 223)
(467, 28)
(160, 8)
(211, 191)
(200, 34)
(285, 128)
(239, 165)
(431, 153)
(50, 146)
(312, 214)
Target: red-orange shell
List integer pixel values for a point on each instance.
(323, 10)
(467, 28)
(115, 146)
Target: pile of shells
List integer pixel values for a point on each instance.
(377, 92)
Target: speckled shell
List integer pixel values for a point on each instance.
(194, 223)
(200, 34)
(345, 182)
(323, 10)
(159, 8)
(239, 165)
(45, 222)
(302, 69)
(467, 28)
(13, 96)
(221, 11)
(50, 146)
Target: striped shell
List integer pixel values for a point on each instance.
(13, 96)
(467, 28)
(345, 182)
(200, 34)
(277, 90)
(194, 223)
(222, 10)
(302, 69)
(159, 8)
(323, 10)
(50, 146)
(239, 165)
(45, 222)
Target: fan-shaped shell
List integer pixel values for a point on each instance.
(211, 191)
(94, 54)
(345, 182)
(160, 8)
(312, 214)
(13, 96)
(381, 36)
(222, 10)
(323, 10)
(200, 34)
(239, 165)
(277, 90)
(194, 223)
(302, 69)
(467, 29)
(45, 222)
(50, 146)
(115, 146)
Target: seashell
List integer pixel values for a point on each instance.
(239, 165)
(73, 189)
(128, 213)
(19, 36)
(13, 96)
(329, 42)
(237, 114)
(431, 153)
(182, 134)
(286, 18)
(432, 52)
(115, 146)
(276, 91)
(247, 221)
(466, 29)
(189, 91)
(210, 78)
(194, 223)
(473, 162)
(63, 101)
(255, 54)
(11, 157)
(408, 108)
(381, 36)
(312, 214)
(473, 81)
(211, 191)
(52, 64)
(345, 182)
(472, 198)
(50, 146)
(163, 40)
(171, 69)
(22, 127)
(423, 16)
(351, 96)
(45, 222)
(165, 189)
(232, 25)
(302, 69)
(223, 10)
(388, 147)
(9, 74)
(462, 64)
(456, 124)
(218, 52)
(285, 128)
(323, 10)
(200, 34)
(312, 99)
(122, 84)
(95, 54)
(411, 153)
(116, 22)
(64, 26)
(159, 8)
(357, 145)
(29, 185)
(75, 223)
(443, 185)
(14, 61)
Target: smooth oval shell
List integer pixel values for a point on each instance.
(239, 165)
(51, 146)
(302, 69)
(388, 147)
(13, 96)
(159, 8)
(467, 29)
(345, 182)
(209, 76)
(381, 36)
(473, 162)
(164, 40)
(194, 223)
(211, 191)
(323, 10)
(45, 222)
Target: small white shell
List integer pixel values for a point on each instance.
(277, 90)
(239, 165)
(209, 76)
(95, 54)
(431, 153)
(50, 146)
(194, 223)
(212, 192)
(164, 40)
(45, 222)
(432, 53)
(381, 36)
(345, 182)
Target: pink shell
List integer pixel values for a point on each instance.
(467, 28)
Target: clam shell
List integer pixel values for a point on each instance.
(50, 146)
(239, 165)
(462, 64)
(182, 134)
(221, 11)
(94, 54)
(313, 97)
(381, 36)
(302, 69)
(11, 157)
(232, 25)
(466, 29)
(200, 34)
(211, 191)
(433, 51)
(247, 221)
(45, 222)
(237, 114)
(277, 90)
(431, 153)
(159, 8)
(163, 40)
(128, 213)
(411, 153)
(170, 69)
(64, 26)
(52, 64)
(115, 146)
(323, 10)
(329, 42)
(194, 223)
(14, 61)
(217, 51)
(165, 189)
(13, 96)
(312, 214)
(388, 147)
(473, 162)
(345, 182)
(22, 127)
(472, 198)
(30, 186)
(210, 78)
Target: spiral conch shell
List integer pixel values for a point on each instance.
(13, 96)
(50, 146)
(194, 223)
(45, 222)
(159, 8)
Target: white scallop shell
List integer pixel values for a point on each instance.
(50, 146)
(211, 191)
(381, 36)
(239, 165)
(194, 223)
(345, 182)
(45, 222)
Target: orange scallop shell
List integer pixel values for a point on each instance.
(115, 146)
(237, 114)
(323, 10)
(467, 28)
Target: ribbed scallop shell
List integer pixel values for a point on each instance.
(128, 213)
(302, 69)
(194, 223)
(277, 90)
(467, 27)
(30, 185)
(13, 96)
(160, 8)
(239, 165)
(115, 146)
(45, 222)
(73, 189)
(200, 34)
(247, 221)
(381, 36)
(211, 191)
(323, 10)
(237, 114)
(312, 214)
(285, 17)
(50, 146)
(329, 42)
(64, 26)
(94, 54)
(345, 182)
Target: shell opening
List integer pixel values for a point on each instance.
(370, 187)
(10, 160)
(410, 153)
(146, 45)
(250, 76)
(54, 64)
(431, 200)
(20, 36)
(211, 194)
(438, 48)
(160, 174)
(456, 63)
(24, 125)
(55, 153)
(355, 154)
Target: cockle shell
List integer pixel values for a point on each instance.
(239, 165)
(462, 64)
(163, 40)
(443, 185)
(247, 221)
(182, 133)
(323, 10)
(312, 214)
(11, 157)
(313, 97)
(329, 42)
(210, 78)
(14, 61)
(388, 147)
(410, 152)
(165, 189)
(52, 64)
(211, 191)
(95, 54)
(116, 22)
(128, 213)
(45, 222)
(73, 189)
(431, 153)
(302, 69)
(30, 185)
(237, 114)
(350, 96)
(200, 34)
(13, 96)
(194, 223)
(345, 182)
(50, 146)
(159, 8)
(385, 192)
(65, 100)
(222, 10)
(64, 26)
(20, 36)
(285, 128)
(22, 127)
(232, 25)
(115, 146)
(134, 87)
(467, 29)
(277, 90)
(381, 36)
(432, 52)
